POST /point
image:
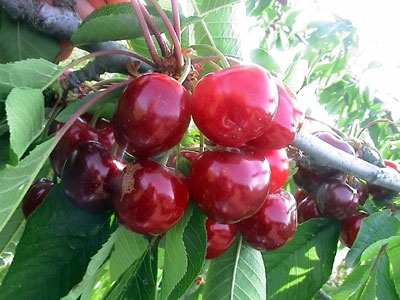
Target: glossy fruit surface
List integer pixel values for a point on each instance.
(336, 199)
(350, 227)
(279, 164)
(79, 132)
(273, 225)
(219, 237)
(35, 195)
(308, 179)
(229, 186)
(87, 176)
(152, 115)
(149, 198)
(287, 120)
(234, 105)
(307, 209)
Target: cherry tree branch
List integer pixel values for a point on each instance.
(327, 155)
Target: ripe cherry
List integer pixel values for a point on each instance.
(149, 198)
(308, 179)
(35, 195)
(350, 227)
(336, 199)
(279, 164)
(229, 186)
(234, 105)
(287, 120)
(79, 132)
(307, 209)
(273, 225)
(88, 175)
(219, 237)
(152, 115)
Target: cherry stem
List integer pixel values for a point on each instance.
(375, 122)
(146, 33)
(186, 69)
(224, 62)
(176, 18)
(174, 36)
(153, 27)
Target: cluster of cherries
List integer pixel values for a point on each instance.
(246, 119)
(327, 192)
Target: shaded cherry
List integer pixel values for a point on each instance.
(149, 198)
(219, 237)
(307, 209)
(35, 195)
(229, 186)
(273, 225)
(380, 193)
(88, 175)
(350, 227)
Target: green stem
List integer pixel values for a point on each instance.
(186, 69)
(224, 62)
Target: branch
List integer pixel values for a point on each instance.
(328, 155)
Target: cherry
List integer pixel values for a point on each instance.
(152, 115)
(361, 188)
(350, 227)
(380, 193)
(149, 198)
(308, 179)
(87, 177)
(307, 209)
(229, 186)
(105, 132)
(287, 120)
(279, 164)
(273, 225)
(300, 195)
(229, 107)
(35, 195)
(219, 237)
(79, 132)
(336, 199)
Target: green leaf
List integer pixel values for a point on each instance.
(85, 287)
(54, 250)
(393, 251)
(24, 42)
(237, 274)
(30, 73)
(299, 269)
(140, 280)
(129, 247)
(264, 59)
(10, 235)
(25, 115)
(15, 181)
(376, 227)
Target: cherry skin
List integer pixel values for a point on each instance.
(350, 227)
(219, 237)
(149, 198)
(287, 120)
(307, 209)
(380, 193)
(234, 105)
(88, 175)
(229, 186)
(279, 164)
(308, 179)
(273, 225)
(35, 195)
(79, 132)
(336, 199)
(152, 115)
(300, 195)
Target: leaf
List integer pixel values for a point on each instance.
(378, 226)
(15, 181)
(393, 251)
(299, 269)
(54, 250)
(184, 254)
(237, 274)
(140, 280)
(25, 115)
(30, 73)
(85, 287)
(24, 42)
(129, 247)
(264, 59)
(11, 234)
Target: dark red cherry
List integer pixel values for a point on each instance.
(35, 195)
(350, 227)
(219, 237)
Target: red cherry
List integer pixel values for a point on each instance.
(105, 132)
(300, 195)
(152, 115)
(219, 237)
(149, 198)
(350, 227)
(88, 176)
(273, 225)
(307, 209)
(287, 120)
(308, 179)
(279, 164)
(79, 132)
(229, 186)
(66, 48)
(35, 195)
(234, 105)
(336, 200)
